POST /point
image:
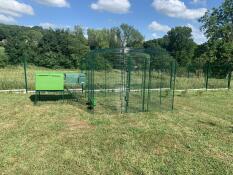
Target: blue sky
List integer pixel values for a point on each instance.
(153, 18)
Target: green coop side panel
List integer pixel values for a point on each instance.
(49, 81)
(71, 78)
(75, 78)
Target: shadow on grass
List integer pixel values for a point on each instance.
(231, 129)
(80, 102)
(209, 123)
(46, 97)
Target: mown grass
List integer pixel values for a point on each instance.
(64, 138)
(13, 78)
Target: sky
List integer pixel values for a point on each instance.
(153, 18)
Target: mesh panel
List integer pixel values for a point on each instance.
(129, 80)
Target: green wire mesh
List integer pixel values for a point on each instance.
(129, 80)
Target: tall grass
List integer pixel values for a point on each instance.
(13, 78)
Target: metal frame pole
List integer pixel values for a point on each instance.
(207, 76)
(171, 74)
(144, 86)
(105, 76)
(128, 83)
(25, 74)
(149, 86)
(229, 80)
(160, 89)
(174, 84)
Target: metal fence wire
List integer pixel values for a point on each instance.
(129, 80)
(207, 76)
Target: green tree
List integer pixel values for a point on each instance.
(77, 47)
(218, 27)
(158, 54)
(3, 58)
(130, 37)
(218, 22)
(181, 45)
(16, 48)
(98, 39)
(200, 56)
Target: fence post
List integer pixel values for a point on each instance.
(171, 74)
(174, 84)
(25, 74)
(229, 80)
(144, 85)
(160, 89)
(207, 76)
(105, 77)
(149, 85)
(127, 82)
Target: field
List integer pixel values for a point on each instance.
(58, 137)
(13, 78)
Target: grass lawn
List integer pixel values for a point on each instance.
(63, 138)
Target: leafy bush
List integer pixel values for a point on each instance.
(3, 58)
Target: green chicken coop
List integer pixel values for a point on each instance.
(49, 82)
(58, 83)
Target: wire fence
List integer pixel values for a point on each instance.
(127, 80)
(208, 76)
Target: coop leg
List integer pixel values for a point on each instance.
(35, 100)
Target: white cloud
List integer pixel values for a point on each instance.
(47, 25)
(155, 26)
(198, 1)
(15, 8)
(198, 36)
(113, 6)
(177, 9)
(11, 9)
(6, 19)
(154, 35)
(54, 3)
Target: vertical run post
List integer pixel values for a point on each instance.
(207, 76)
(160, 88)
(105, 77)
(123, 69)
(174, 83)
(25, 74)
(229, 80)
(144, 85)
(128, 82)
(149, 86)
(171, 74)
(93, 85)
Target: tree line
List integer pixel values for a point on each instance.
(60, 48)
(65, 48)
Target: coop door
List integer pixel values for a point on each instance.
(137, 84)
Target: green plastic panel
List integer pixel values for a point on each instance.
(82, 79)
(49, 81)
(75, 78)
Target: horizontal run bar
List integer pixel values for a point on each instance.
(115, 90)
